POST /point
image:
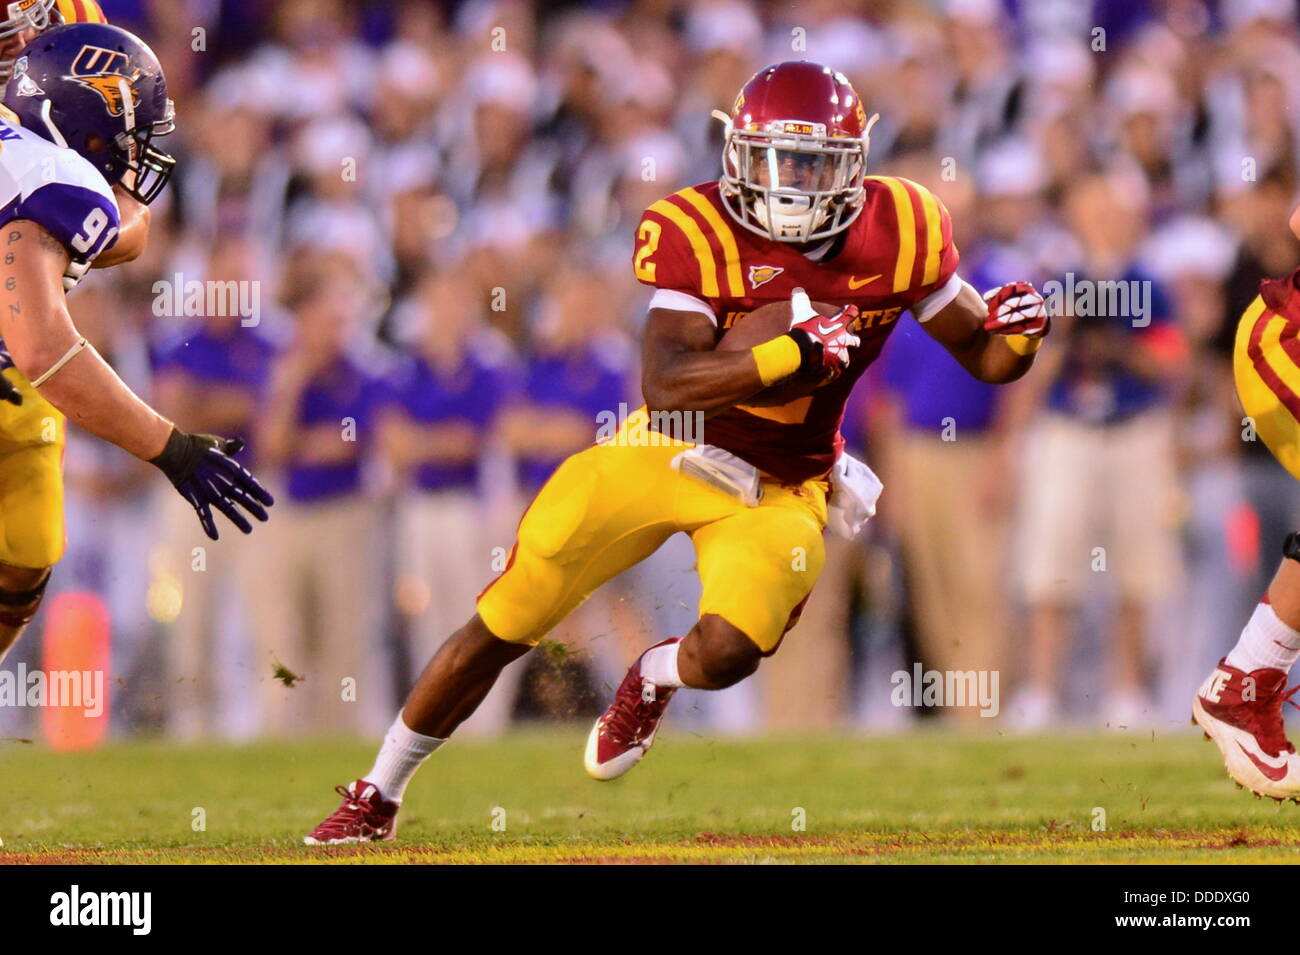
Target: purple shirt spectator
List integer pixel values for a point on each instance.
(474, 394)
(588, 381)
(240, 359)
(931, 386)
(342, 391)
(1101, 391)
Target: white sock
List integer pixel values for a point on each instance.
(659, 665)
(403, 752)
(1265, 643)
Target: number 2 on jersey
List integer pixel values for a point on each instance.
(648, 235)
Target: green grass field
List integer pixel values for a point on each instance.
(925, 797)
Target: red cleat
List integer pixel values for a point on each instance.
(1242, 713)
(625, 732)
(364, 816)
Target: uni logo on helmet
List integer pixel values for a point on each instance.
(106, 72)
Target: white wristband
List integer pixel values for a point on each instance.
(70, 354)
(73, 274)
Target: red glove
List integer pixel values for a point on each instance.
(823, 341)
(1017, 309)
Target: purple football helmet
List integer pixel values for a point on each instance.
(99, 91)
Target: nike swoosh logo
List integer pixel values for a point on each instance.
(1274, 773)
(824, 330)
(855, 283)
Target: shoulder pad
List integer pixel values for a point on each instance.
(684, 243)
(926, 256)
(59, 190)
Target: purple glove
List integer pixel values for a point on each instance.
(202, 468)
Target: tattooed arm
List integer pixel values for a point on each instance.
(39, 333)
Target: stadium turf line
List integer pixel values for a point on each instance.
(921, 797)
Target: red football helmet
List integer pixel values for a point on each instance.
(795, 153)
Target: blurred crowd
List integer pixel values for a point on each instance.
(437, 201)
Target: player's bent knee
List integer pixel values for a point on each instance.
(21, 592)
(725, 655)
(474, 647)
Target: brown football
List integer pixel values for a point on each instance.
(761, 325)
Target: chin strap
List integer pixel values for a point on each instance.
(128, 106)
(57, 136)
(866, 138)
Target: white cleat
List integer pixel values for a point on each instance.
(1242, 713)
(626, 731)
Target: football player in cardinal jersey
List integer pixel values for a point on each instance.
(1239, 706)
(81, 114)
(793, 218)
